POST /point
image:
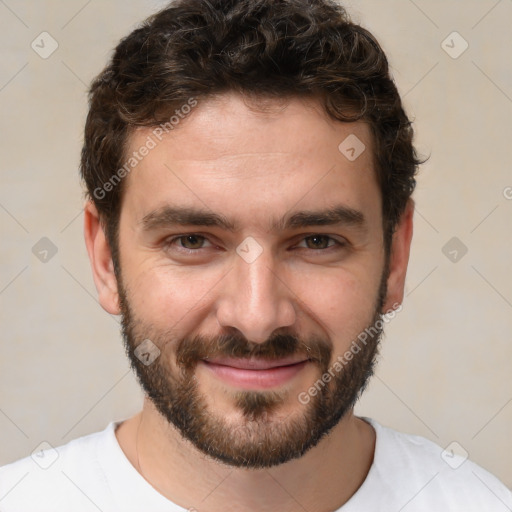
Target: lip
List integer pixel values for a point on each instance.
(255, 373)
(255, 364)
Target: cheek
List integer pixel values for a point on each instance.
(341, 301)
(167, 297)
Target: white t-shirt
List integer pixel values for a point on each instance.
(91, 474)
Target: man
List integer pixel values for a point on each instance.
(249, 169)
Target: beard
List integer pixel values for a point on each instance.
(262, 438)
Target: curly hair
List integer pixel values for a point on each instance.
(261, 49)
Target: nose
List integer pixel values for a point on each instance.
(255, 299)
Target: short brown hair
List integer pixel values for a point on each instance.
(259, 48)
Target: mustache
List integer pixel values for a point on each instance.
(190, 351)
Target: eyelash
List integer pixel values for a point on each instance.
(170, 242)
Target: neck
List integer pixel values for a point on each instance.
(187, 477)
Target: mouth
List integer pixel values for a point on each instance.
(255, 373)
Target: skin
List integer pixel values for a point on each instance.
(252, 167)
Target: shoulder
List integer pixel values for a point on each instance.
(52, 477)
(429, 476)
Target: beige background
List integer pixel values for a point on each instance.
(445, 370)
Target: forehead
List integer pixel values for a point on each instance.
(227, 154)
(229, 123)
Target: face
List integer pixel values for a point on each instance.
(251, 258)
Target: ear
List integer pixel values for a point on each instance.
(101, 260)
(399, 259)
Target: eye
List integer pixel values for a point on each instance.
(321, 242)
(192, 243)
(187, 243)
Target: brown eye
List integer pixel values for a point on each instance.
(191, 241)
(187, 243)
(319, 241)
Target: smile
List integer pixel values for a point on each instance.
(255, 373)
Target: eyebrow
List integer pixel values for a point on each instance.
(169, 216)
